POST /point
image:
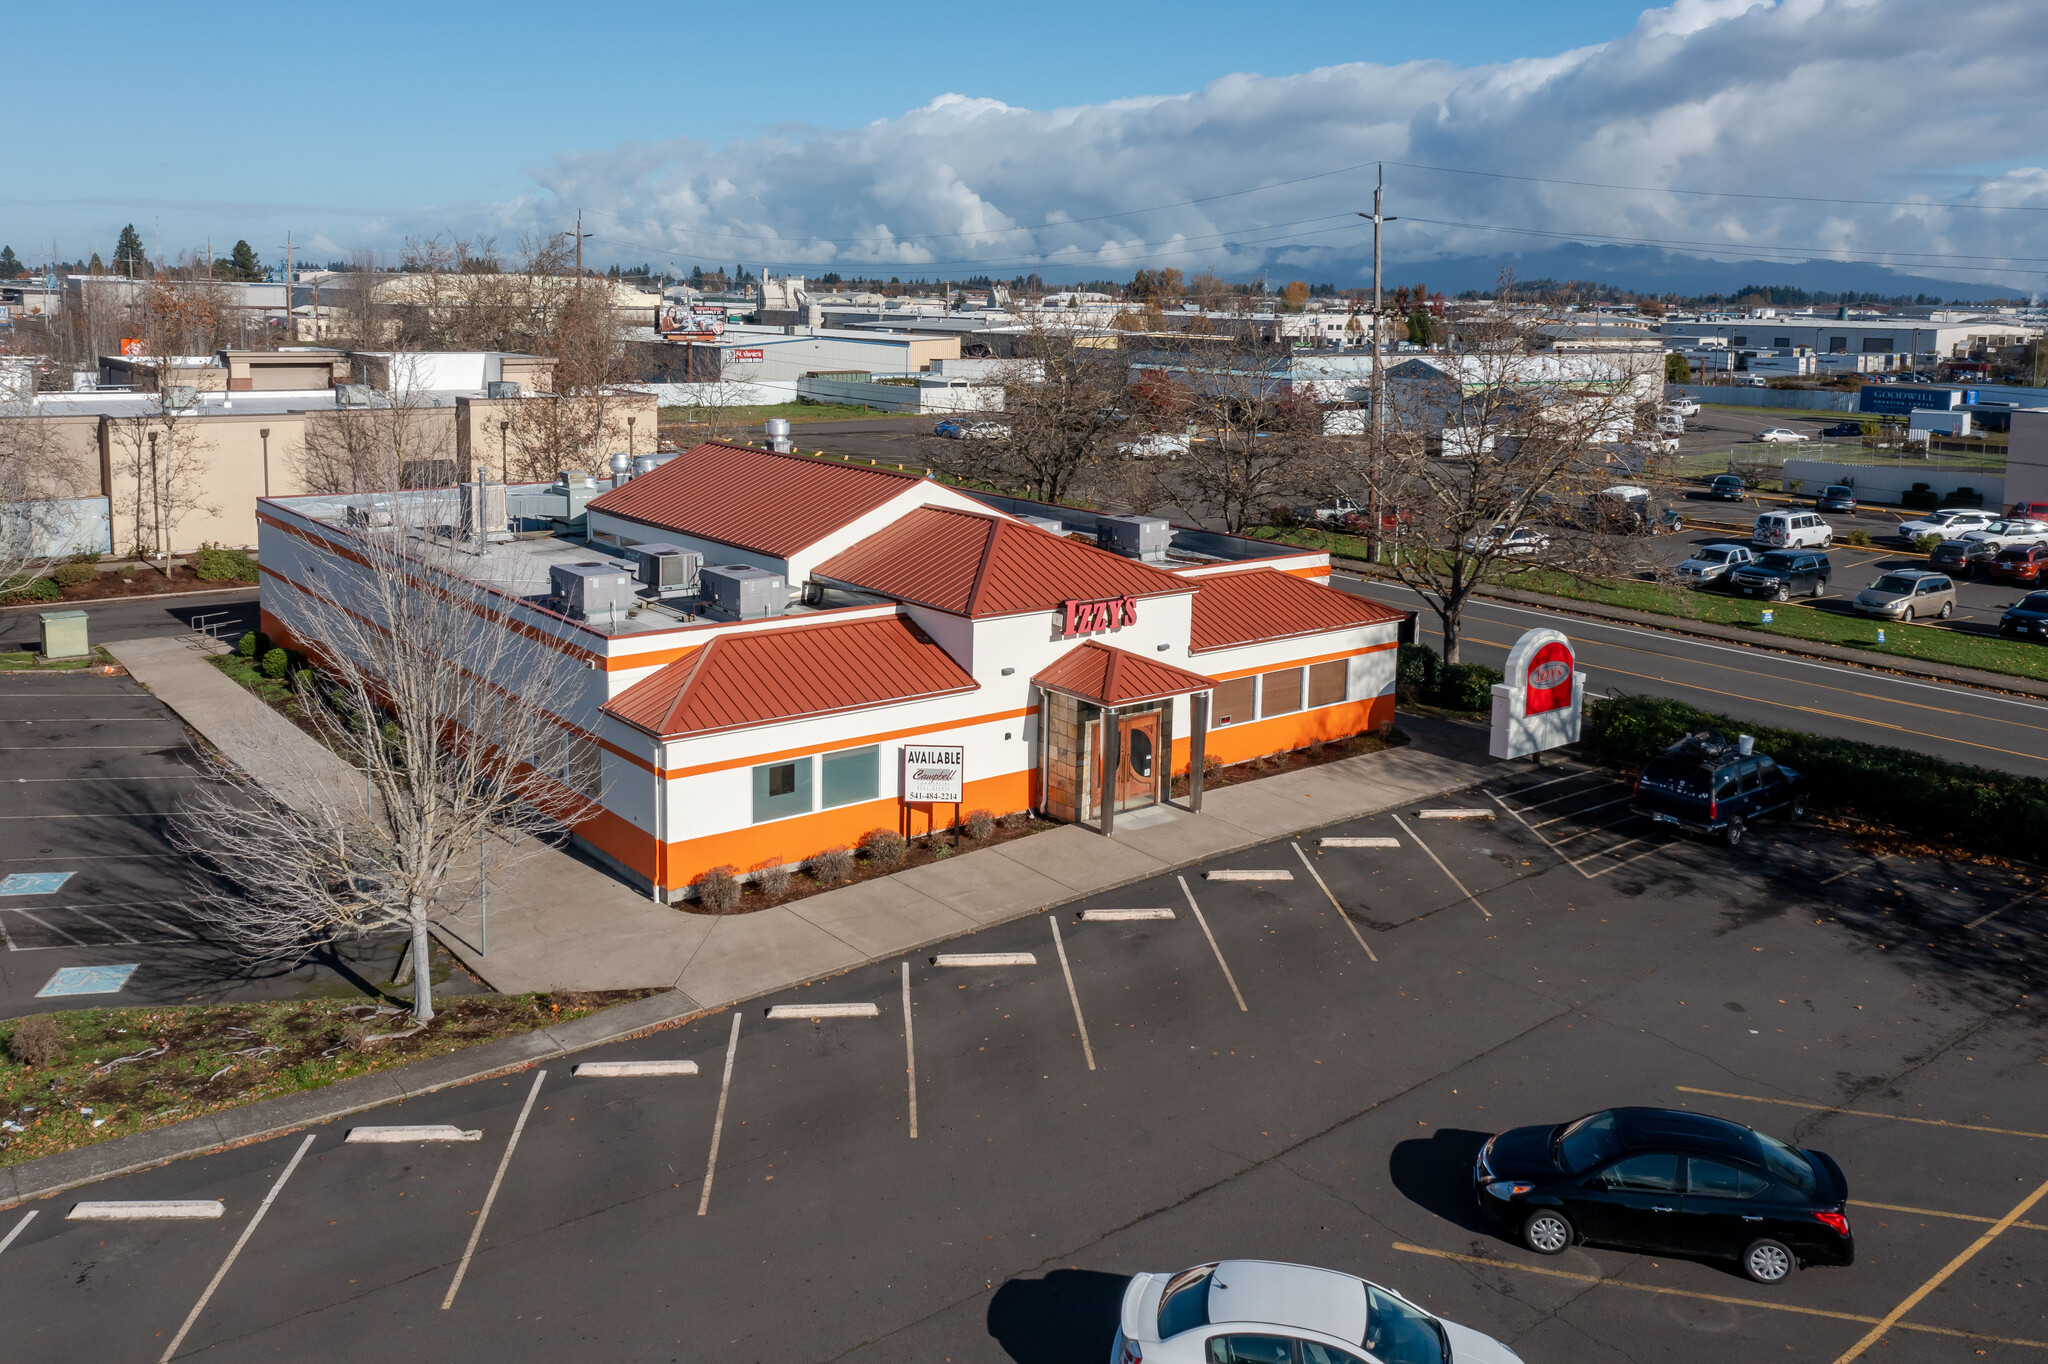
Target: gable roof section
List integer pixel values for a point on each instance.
(971, 564)
(765, 676)
(754, 499)
(1262, 604)
(1117, 677)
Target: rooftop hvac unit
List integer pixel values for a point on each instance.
(1135, 537)
(374, 515)
(668, 570)
(351, 395)
(180, 397)
(590, 590)
(85, 380)
(485, 519)
(1051, 524)
(502, 388)
(744, 592)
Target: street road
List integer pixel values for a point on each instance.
(1959, 723)
(230, 612)
(978, 1187)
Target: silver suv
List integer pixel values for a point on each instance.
(1909, 594)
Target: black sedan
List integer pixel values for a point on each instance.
(2026, 618)
(1843, 429)
(1672, 1183)
(1727, 488)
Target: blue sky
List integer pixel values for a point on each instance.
(1083, 140)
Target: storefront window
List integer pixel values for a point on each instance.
(1280, 691)
(851, 775)
(1326, 683)
(782, 789)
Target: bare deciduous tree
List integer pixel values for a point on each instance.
(399, 439)
(1258, 440)
(34, 474)
(425, 681)
(1061, 426)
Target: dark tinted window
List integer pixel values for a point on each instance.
(2034, 601)
(1785, 1163)
(1400, 1334)
(1185, 1303)
(1725, 782)
(1778, 559)
(1587, 1142)
(1251, 1350)
(1652, 1174)
(1749, 775)
(1712, 1179)
(1312, 1353)
(1678, 776)
(1836, 490)
(1892, 582)
(2017, 553)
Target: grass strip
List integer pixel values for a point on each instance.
(116, 1071)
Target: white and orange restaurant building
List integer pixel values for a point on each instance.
(1076, 681)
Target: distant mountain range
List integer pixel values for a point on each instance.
(1651, 271)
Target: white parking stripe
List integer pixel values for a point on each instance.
(2000, 910)
(476, 1232)
(1633, 857)
(1574, 814)
(1554, 800)
(1079, 1022)
(732, 1047)
(1303, 854)
(1212, 942)
(909, 1052)
(1442, 868)
(823, 1011)
(1120, 915)
(985, 959)
(240, 1241)
(8, 1239)
(1520, 791)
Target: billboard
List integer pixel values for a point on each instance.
(689, 322)
(1905, 398)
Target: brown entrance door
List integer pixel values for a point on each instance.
(1137, 771)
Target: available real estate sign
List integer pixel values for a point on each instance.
(932, 773)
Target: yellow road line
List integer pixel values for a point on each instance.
(1862, 1113)
(1710, 1297)
(1876, 1333)
(1951, 1216)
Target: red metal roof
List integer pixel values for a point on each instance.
(1257, 604)
(1117, 677)
(762, 676)
(754, 499)
(977, 565)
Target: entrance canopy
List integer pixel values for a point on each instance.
(1111, 677)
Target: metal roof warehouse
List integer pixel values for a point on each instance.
(749, 705)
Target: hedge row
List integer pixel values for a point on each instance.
(1420, 675)
(1944, 801)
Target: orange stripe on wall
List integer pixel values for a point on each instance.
(755, 760)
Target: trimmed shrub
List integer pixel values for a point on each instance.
(276, 664)
(771, 878)
(884, 847)
(1972, 806)
(36, 1041)
(224, 565)
(252, 645)
(978, 824)
(1925, 544)
(28, 589)
(1467, 686)
(830, 867)
(74, 575)
(1417, 670)
(1859, 538)
(717, 888)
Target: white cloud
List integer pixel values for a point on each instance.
(1909, 100)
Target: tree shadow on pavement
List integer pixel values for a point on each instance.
(1436, 1175)
(1070, 1314)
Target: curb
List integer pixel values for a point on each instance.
(1905, 667)
(268, 1118)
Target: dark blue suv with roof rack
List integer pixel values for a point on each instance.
(1706, 784)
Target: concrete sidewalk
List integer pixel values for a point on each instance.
(557, 922)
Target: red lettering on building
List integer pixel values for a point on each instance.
(1088, 617)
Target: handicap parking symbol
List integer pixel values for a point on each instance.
(34, 882)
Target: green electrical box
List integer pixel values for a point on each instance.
(64, 634)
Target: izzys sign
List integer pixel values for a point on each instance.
(1087, 617)
(1537, 703)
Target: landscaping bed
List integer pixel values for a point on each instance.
(875, 856)
(1274, 764)
(25, 661)
(95, 1074)
(210, 570)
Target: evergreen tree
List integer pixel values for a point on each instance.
(243, 264)
(10, 266)
(129, 257)
(95, 267)
(696, 277)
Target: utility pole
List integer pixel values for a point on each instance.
(1378, 390)
(291, 327)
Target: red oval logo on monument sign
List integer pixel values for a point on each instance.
(1550, 679)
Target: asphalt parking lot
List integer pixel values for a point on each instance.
(968, 1166)
(96, 903)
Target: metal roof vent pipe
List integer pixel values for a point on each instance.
(644, 464)
(778, 435)
(622, 469)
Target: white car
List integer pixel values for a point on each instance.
(1950, 523)
(2000, 534)
(1712, 564)
(1684, 407)
(1501, 540)
(1263, 1312)
(1778, 435)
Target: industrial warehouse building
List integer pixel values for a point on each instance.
(823, 618)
